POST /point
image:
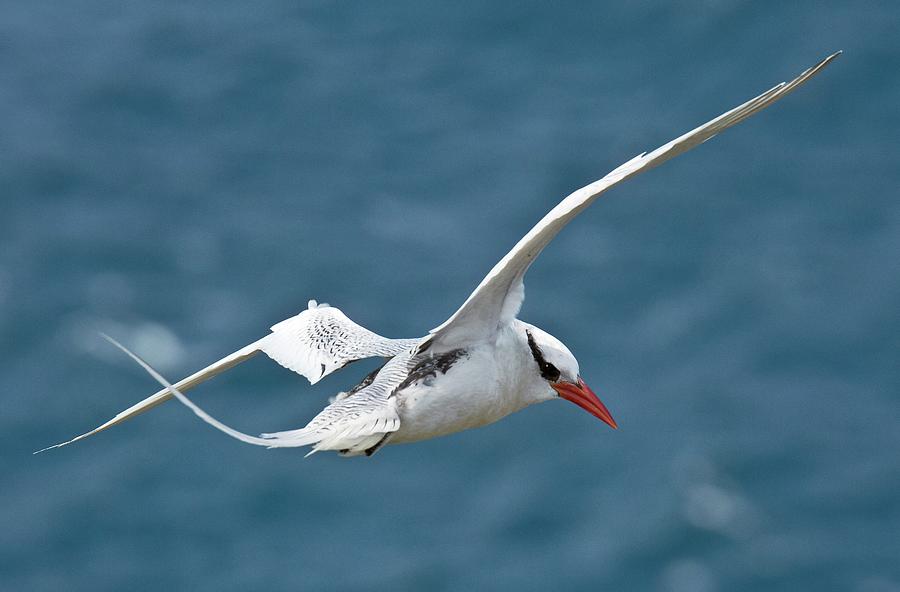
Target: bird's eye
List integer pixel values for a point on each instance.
(550, 372)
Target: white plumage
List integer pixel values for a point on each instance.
(321, 339)
(475, 368)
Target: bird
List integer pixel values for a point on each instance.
(480, 365)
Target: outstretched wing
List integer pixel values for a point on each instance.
(497, 299)
(315, 343)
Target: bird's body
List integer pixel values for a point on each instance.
(417, 395)
(468, 388)
(477, 367)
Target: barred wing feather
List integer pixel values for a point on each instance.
(322, 339)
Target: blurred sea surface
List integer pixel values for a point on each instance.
(184, 175)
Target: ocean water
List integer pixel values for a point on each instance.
(183, 176)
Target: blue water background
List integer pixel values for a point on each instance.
(183, 175)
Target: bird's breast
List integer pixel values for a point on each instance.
(473, 391)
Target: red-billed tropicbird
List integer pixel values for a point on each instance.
(477, 367)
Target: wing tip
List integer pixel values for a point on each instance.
(813, 70)
(75, 439)
(827, 60)
(60, 445)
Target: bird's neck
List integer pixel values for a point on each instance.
(518, 373)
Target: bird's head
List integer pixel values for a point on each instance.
(558, 369)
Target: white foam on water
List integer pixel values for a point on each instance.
(155, 342)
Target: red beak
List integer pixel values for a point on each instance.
(582, 395)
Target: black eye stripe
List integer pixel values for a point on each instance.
(548, 370)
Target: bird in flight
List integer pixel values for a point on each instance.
(477, 367)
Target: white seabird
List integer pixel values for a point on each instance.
(477, 367)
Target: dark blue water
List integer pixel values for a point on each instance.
(182, 177)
